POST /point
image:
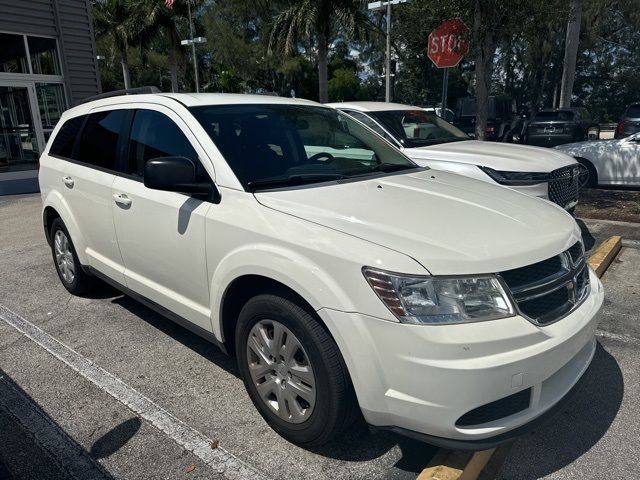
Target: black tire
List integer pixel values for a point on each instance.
(82, 282)
(592, 180)
(335, 404)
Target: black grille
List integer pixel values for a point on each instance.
(547, 290)
(519, 277)
(496, 410)
(563, 186)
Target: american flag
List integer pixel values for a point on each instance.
(169, 3)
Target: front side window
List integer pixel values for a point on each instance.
(154, 135)
(417, 128)
(100, 139)
(277, 145)
(62, 145)
(369, 122)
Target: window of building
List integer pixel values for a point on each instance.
(65, 139)
(154, 135)
(51, 105)
(100, 139)
(44, 56)
(13, 58)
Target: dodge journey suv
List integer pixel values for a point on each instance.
(347, 281)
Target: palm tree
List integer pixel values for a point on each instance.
(118, 20)
(165, 23)
(319, 19)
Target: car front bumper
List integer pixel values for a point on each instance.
(421, 379)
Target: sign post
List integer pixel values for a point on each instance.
(447, 45)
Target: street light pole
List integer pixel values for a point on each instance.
(379, 5)
(193, 49)
(387, 89)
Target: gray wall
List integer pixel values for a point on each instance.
(71, 22)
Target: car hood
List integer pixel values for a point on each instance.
(499, 156)
(572, 148)
(450, 224)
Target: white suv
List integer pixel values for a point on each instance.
(432, 142)
(342, 276)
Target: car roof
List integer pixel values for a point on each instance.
(371, 106)
(190, 100)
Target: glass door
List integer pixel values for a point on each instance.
(21, 135)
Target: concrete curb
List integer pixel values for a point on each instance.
(604, 254)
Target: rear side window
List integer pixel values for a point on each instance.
(100, 139)
(62, 145)
(154, 135)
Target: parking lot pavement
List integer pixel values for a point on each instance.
(184, 376)
(60, 403)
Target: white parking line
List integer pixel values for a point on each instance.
(199, 444)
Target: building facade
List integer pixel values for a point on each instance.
(47, 64)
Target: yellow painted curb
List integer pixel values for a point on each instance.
(604, 254)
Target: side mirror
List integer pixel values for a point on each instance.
(175, 174)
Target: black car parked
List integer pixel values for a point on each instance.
(630, 121)
(552, 127)
(502, 115)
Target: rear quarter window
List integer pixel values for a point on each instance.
(64, 141)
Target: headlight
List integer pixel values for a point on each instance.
(440, 300)
(516, 178)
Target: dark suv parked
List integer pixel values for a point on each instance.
(630, 121)
(502, 113)
(552, 127)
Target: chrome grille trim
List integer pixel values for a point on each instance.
(543, 302)
(564, 184)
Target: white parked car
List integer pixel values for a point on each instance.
(342, 275)
(430, 141)
(609, 162)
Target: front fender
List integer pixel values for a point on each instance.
(300, 274)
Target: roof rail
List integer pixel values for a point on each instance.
(126, 91)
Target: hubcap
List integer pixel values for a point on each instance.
(281, 371)
(64, 257)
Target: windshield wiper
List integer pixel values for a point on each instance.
(391, 167)
(295, 180)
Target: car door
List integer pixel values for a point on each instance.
(161, 234)
(87, 180)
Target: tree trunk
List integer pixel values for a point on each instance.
(173, 68)
(486, 48)
(125, 69)
(323, 73)
(570, 53)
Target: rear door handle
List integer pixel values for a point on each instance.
(68, 181)
(122, 199)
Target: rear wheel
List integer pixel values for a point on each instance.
(293, 371)
(69, 269)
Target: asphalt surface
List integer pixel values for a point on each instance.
(56, 423)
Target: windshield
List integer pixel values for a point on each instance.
(562, 115)
(269, 145)
(633, 111)
(417, 128)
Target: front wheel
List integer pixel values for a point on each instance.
(293, 371)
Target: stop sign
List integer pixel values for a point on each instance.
(448, 43)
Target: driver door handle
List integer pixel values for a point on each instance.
(122, 199)
(68, 181)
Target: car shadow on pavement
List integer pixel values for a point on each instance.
(187, 338)
(358, 444)
(575, 429)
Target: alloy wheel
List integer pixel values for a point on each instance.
(64, 257)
